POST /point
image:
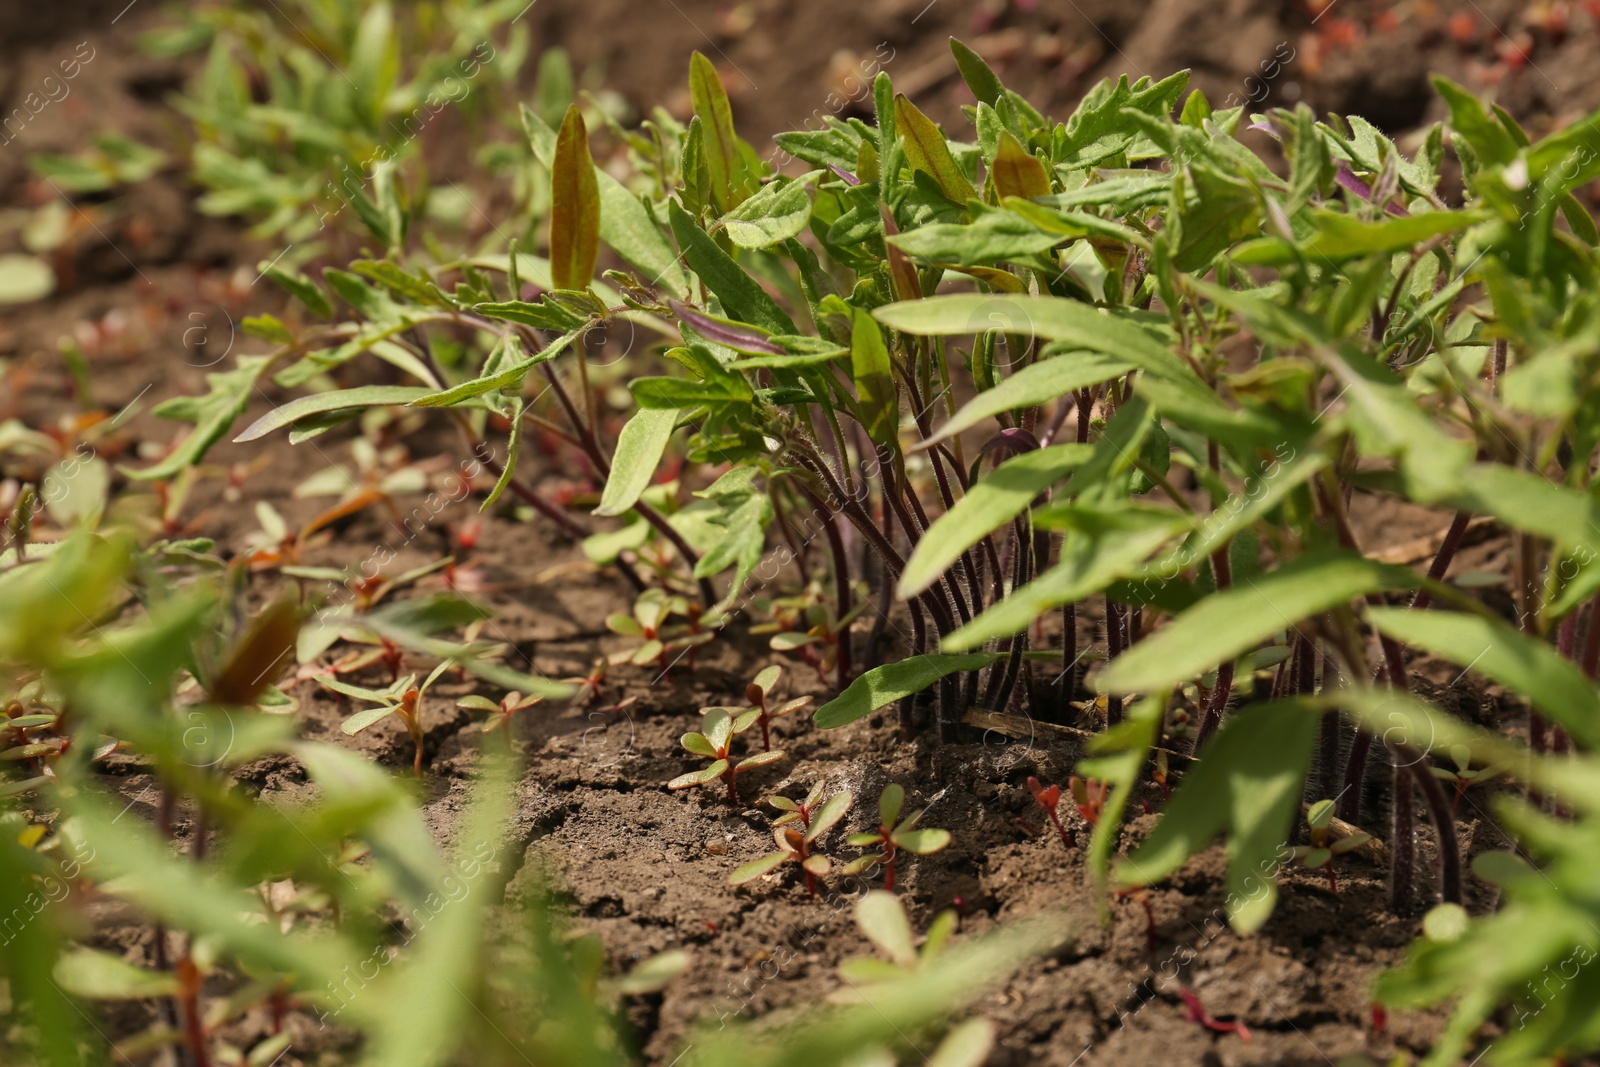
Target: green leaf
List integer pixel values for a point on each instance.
(574, 207)
(1104, 547)
(1341, 237)
(1235, 620)
(992, 502)
(874, 378)
(997, 235)
(710, 774)
(365, 396)
(1525, 665)
(979, 76)
(509, 378)
(749, 872)
(886, 684)
(363, 719)
(882, 918)
(24, 279)
(625, 223)
(639, 450)
(741, 295)
(212, 414)
(926, 150)
(827, 817)
(922, 842)
(1015, 172)
(1119, 756)
(1059, 374)
(1248, 786)
(101, 976)
(1489, 140)
(778, 211)
(721, 143)
(1049, 318)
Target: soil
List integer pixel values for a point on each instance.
(152, 288)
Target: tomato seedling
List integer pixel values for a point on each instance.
(894, 835)
(714, 741)
(816, 817)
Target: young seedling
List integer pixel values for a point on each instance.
(1463, 777)
(1195, 1012)
(893, 836)
(1324, 845)
(1090, 797)
(882, 918)
(657, 641)
(403, 698)
(1048, 798)
(500, 712)
(757, 693)
(816, 817)
(718, 727)
(805, 626)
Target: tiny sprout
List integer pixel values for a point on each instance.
(816, 817)
(1047, 798)
(1463, 776)
(403, 698)
(882, 918)
(894, 835)
(648, 623)
(757, 693)
(1089, 795)
(717, 729)
(1196, 1012)
(499, 712)
(1324, 845)
(1161, 775)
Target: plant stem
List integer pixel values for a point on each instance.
(1116, 643)
(1442, 559)
(1402, 843)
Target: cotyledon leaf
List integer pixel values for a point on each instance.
(993, 501)
(1234, 620)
